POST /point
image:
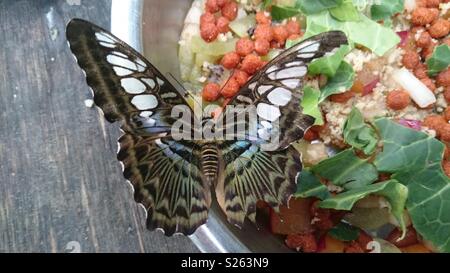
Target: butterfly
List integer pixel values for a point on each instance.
(174, 178)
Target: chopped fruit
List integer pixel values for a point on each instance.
(212, 6)
(302, 242)
(439, 29)
(293, 27)
(262, 19)
(244, 47)
(428, 51)
(445, 133)
(321, 217)
(251, 64)
(209, 32)
(293, 220)
(428, 83)
(342, 97)
(424, 40)
(310, 135)
(447, 94)
(332, 245)
(417, 248)
(262, 47)
(410, 238)
(264, 32)
(240, 76)
(443, 78)
(434, 122)
(421, 71)
(211, 92)
(230, 10)
(364, 239)
(280, 34)
(230, 60)
(207, 18)
(424, 16)
(230, 88)
(353, 247)
(222, 3)
(398, 100)
(411, 59)
(358, 87)
(447, 113)
(223, 24)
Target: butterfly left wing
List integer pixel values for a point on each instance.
(166, 174)
(250, 173)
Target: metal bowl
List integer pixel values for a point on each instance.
(153, 27)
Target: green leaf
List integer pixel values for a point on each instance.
(385, 9)
(308, 185)
(365, 32)
(395, 193)
(347, 170)
(266, 4)
(344, 232)
(314, 6)
(280, 13)
(341, 82)
(328, 65)
(310, 104)
(346, 12)
(415, 160)
(439, 61)
(359, 134)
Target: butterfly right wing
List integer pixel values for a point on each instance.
(165, 174)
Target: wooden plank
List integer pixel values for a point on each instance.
(59, 179)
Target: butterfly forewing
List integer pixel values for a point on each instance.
(276, 91)
(126, 86)
(166, 175)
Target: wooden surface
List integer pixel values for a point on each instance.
(60, 184)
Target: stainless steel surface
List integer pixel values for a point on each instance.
(153, 27)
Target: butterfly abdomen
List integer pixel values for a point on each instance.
(210, 161)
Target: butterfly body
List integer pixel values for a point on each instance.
(174, 177)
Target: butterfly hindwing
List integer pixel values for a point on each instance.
(250, 174)
(168, 181)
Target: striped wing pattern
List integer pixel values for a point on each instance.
(250, 174)
(167, 181)
(171, 178)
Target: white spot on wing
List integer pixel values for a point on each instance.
(104, 37)
(280, 96)
(107, 45)
(268, 112)
(292, 83)
(120, 54)
(144, 102)
(294, 64)
(146, 114)
(264, 88)
(132, 85)
(272, 68)
(118, 61)
(169, 95)
(120, 71)
(150, 82)
(293, 72)
(160, 82)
